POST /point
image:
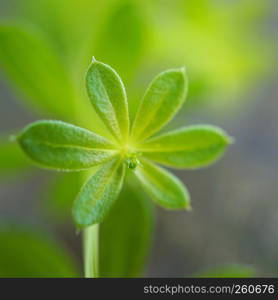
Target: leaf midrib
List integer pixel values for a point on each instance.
(142, 130)
(117, 130)
(69, 146)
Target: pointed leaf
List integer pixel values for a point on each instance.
(98, 194)
(163, 187)
(33, 66)
(189, 147)
(163, 99)
(107, 94)
(62, 146)
(131, 220)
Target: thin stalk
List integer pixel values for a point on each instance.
(91, 251)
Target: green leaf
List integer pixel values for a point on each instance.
(107, 94)
(25, 253)
(131, 220)
(62, 146)
(33, 66)
(12, 159)
(188, 147)
(163, 99)
(228, 271)
(163, 187)
(98, 194)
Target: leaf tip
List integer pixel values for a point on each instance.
(13, 138)
(183, 69)
(231, 140)
(93, 60)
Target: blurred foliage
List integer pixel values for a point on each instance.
(140, 38)
(228, 271)
(29, 253)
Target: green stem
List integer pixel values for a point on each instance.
(90, 244)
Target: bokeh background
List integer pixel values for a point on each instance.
(230, 50)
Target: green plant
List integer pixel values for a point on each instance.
(131, 151)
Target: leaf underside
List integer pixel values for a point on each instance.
(163, 99)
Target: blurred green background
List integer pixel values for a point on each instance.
(229, 49)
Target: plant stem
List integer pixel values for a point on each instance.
(90, 244)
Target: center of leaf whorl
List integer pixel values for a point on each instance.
(132, 160)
